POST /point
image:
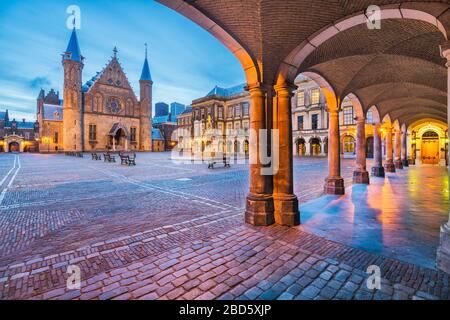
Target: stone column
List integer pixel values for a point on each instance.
(334, 183)
(443, 254)
(405, 161)
(285, 201)
(360, 175)
(259, 206)
(389, 163)
(377, 169)
(398, 150)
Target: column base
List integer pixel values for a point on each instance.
(412, 162)
(259, 210)
(389, 167)
(405, 163)
(398, 164)
(334, 185)
(361, 177)
(286, 210)
(378, 172)
(443, 253)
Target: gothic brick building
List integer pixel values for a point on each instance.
(102, 114)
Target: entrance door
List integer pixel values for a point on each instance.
(430, 148)
(369, 148)
(14, 147)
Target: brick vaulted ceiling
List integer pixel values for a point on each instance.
(397, 68)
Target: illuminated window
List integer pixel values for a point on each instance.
(315, 96)
(349, 144)
(301, 98)
(348, 116)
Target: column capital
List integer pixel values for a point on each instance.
(257, 88)
(445, 51)
(360, 119)
(285, 88)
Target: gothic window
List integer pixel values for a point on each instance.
(98, 103)
(114, 105)
(133, 134)
(92, 132)
(129, 107)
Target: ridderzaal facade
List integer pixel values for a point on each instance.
(103, 114)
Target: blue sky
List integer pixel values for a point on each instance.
(185, 61)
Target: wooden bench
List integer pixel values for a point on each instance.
(109, 158)
(225, 161)
(96, 156)
(129, 160)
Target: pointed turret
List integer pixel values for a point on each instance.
(73, 114)
(146, 86)
(73, 51)
(145, 75)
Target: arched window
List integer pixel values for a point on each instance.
(98, 103)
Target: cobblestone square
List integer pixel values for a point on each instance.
(163, 230)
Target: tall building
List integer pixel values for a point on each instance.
(225, 109)
(102, 114)
(161, 109)
(177, 109)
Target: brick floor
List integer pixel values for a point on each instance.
(139, 233)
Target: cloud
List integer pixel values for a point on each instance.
(39, 82)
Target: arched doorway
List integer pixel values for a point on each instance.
(430, 148)
(301, 147)
(315, 146)
(348, 144)
(369, 148)
(14, 147)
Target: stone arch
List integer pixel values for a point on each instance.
(290, 66)
(248, 62)
(375, 114)
(328, 91)
(357, 106)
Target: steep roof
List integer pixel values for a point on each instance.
(52, 112)
(227, 92)
(146, 75)
(74, 48)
